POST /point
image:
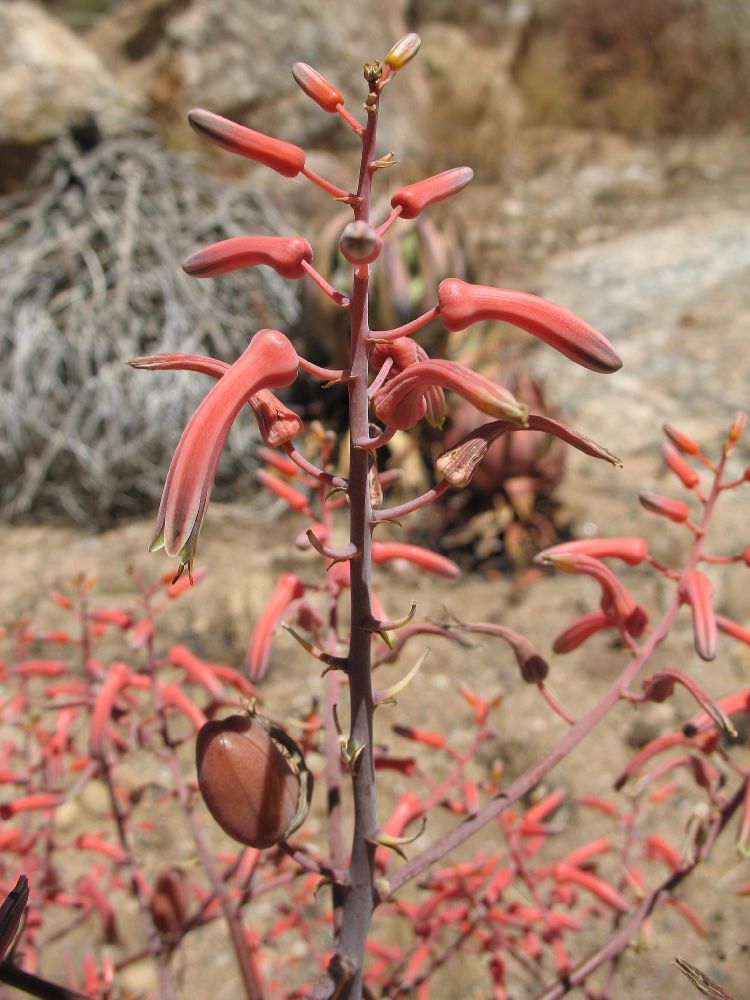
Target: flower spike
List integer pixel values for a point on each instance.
(268, 361)
(462, 304)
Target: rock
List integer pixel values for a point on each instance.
(210, 53)
(474, 104)
(52, 81)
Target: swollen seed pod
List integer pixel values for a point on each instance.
(359, 243)
(254, 791)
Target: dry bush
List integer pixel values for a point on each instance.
(90, 272)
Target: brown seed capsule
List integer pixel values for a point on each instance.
(169, 904)
(359, 243)
(249, 786)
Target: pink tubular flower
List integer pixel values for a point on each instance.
(696, 590)
(676, 510)
(433, 562)
(416, 197)
(283, 253)
(616, 603)
(462, 304)
(674, 461)
(288, 588)
(283, 157)
(631, 549)
(268, 361)
(579, 631)
(400, 403)
(276, 422)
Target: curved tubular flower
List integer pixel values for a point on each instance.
(276, 422)
(283, 157)
(462, 304)
(616, 603)
(288, 588)
(269, 361)
(457, 465)
(401, 402)
(283, 253)
(697, 590)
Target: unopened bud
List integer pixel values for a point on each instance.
(737, 427)
(675, 510)
(359, 243)
(681, 440)
(283, 157)
(317, 87)
(284, 254)
(416, 197)
(674, 460)
(403, 51)
(462, 304)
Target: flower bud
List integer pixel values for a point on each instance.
(283, 157)
(675, 510)
(359, 243)
(283, 253)
(674, 461)
(249, 785)
(317, 87)
(415, 197)
(403, 51)
(681, 440)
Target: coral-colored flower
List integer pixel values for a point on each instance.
(696, 590)
(288, 588)
(400, 403)
(283, 253)
(315, 85)
(676, 510)
(616, 602)
(283, 157)
(276, 422)
(268, 361)
(462, 304)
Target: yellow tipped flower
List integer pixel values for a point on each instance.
(403, 51)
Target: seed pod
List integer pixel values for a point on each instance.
(169, 901)
(254, 791)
